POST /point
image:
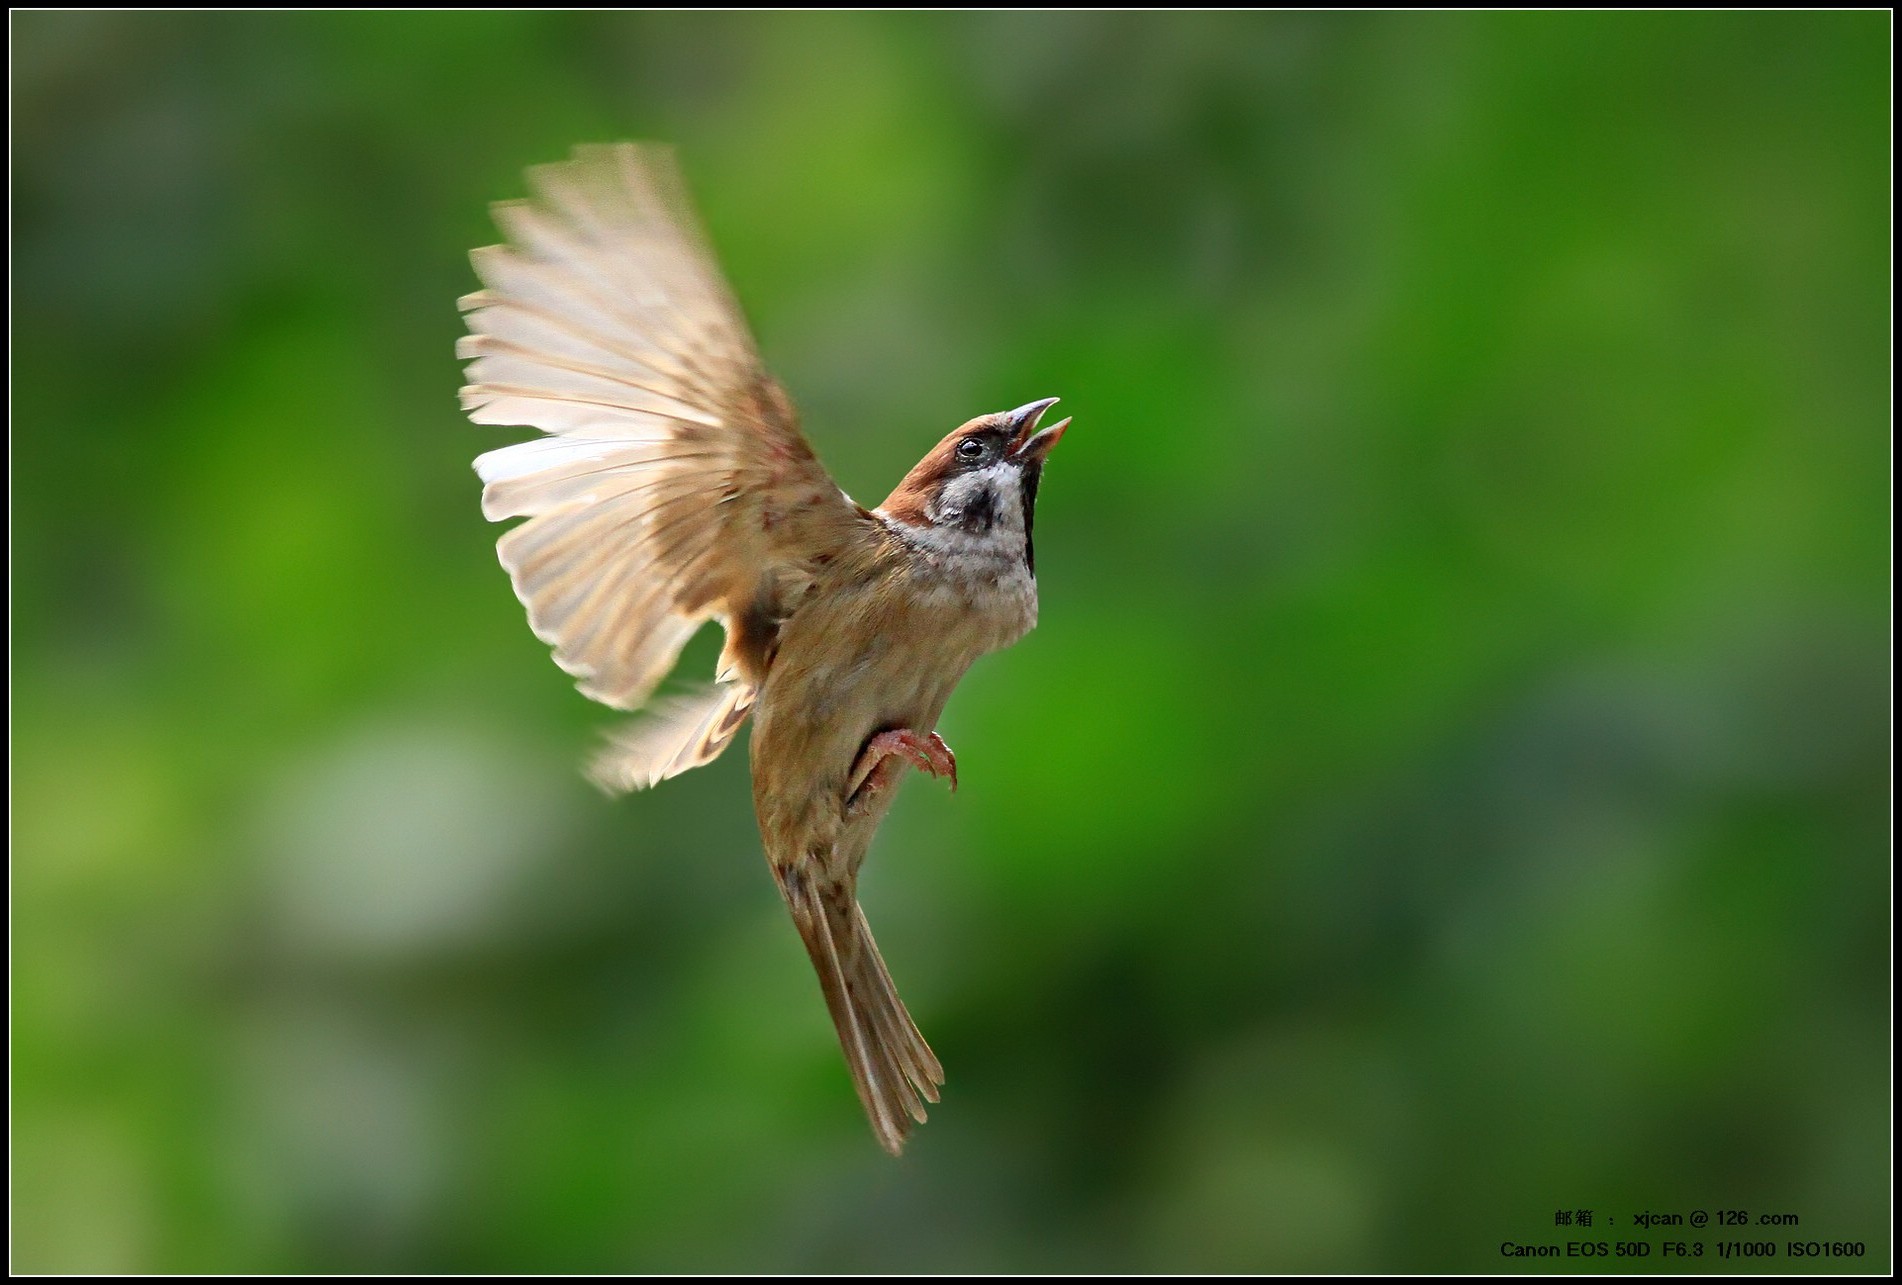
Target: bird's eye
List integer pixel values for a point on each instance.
(971, 449)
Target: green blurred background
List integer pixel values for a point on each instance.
(1449, 785)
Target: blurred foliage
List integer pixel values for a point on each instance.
(1450, 783)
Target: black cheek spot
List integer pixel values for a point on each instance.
(980, 514)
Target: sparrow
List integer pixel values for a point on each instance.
(673, 486)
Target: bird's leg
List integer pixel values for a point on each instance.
(885, 754)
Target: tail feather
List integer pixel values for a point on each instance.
(892, 1067)
(679, 734)
(920, 1064)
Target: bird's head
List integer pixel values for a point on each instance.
(981, 480)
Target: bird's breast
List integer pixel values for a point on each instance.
(874, 649)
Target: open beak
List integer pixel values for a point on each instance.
(1026, 442)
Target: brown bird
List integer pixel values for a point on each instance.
(674, 487)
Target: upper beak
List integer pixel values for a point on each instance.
(1023, 424)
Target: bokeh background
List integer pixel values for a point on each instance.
(1449, 787)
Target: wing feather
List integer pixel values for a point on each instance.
(674, 485)
(680, 733)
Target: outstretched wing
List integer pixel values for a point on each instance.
(673, 485)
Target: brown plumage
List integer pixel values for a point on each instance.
(674, 487)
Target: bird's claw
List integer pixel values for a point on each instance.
(877, 768)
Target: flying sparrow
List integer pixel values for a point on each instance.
(673, 487)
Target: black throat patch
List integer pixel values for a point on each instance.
(1033, 474)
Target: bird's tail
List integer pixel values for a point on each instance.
(892, 1067)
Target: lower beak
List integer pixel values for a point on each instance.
(1027, 443)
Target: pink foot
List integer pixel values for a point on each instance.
(885, 754)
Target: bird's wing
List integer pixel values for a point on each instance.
(673, 485)
(676, 735)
